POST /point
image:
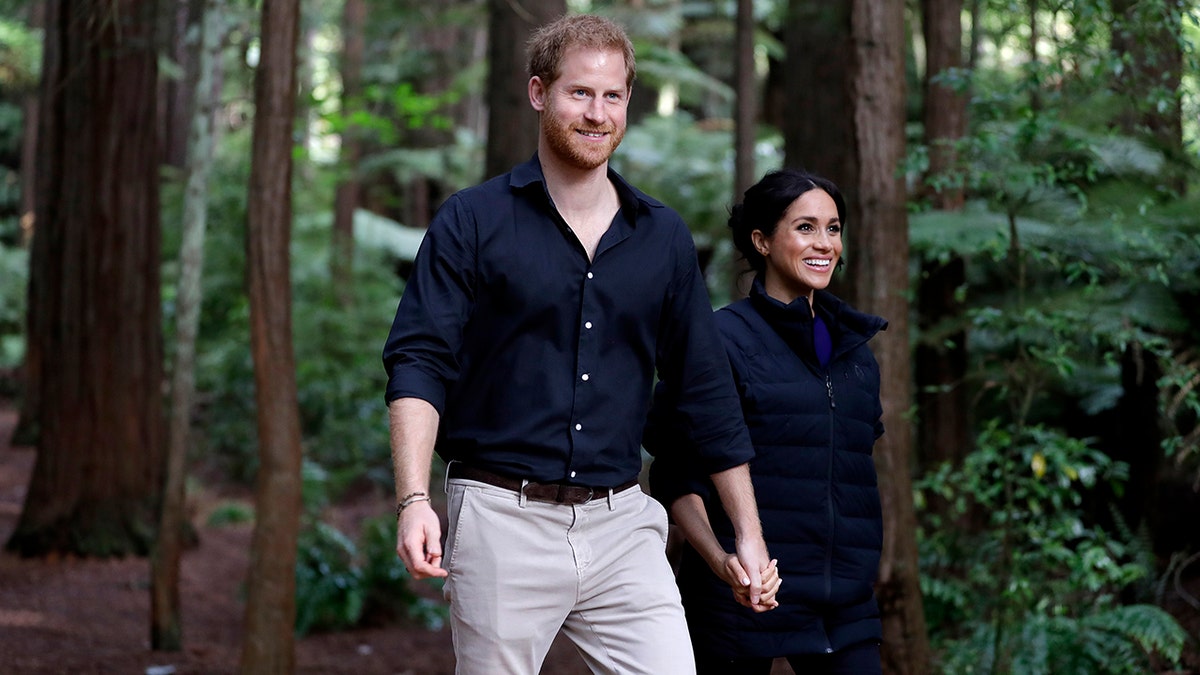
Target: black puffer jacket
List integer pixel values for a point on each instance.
(813, 430)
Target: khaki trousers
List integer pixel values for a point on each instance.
(521, 570)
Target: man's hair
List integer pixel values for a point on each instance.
(549, 44)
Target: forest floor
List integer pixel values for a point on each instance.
(70, 615)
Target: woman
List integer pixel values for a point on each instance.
(809, 389)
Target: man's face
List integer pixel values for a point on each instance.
(583, 117)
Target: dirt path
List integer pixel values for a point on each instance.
(75, 616)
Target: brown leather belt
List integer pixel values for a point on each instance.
(552, 493)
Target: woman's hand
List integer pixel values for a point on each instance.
(731, 572)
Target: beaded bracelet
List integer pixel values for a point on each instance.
(409, 500)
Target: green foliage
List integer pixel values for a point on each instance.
(1031, 588)
(689, 166)
(329, 589)
(20, 55)
(231, 513)
(14, 269)
(340, 585)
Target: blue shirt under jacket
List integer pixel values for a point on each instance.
(541, 361)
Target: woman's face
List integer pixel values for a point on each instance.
(804, 249)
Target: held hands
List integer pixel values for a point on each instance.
(418, 541)
(730, 571)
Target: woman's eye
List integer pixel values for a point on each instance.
(835, 229)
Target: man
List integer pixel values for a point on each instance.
(524, 347)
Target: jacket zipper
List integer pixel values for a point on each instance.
(829, 490)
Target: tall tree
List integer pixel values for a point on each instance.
(270, 603)
(349, 189)
(845, 69)
(26, 431)
(179, 25)
(745, 118)
(816, 80)
(166, 630)
(512, 124)
(942, 400)
(881, 282)
(746, 110)
(95, 285)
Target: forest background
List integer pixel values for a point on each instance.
(208, 208)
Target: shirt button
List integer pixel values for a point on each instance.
(589, 275)
(585, 377)
(588, 325)
(572, 474)
(578, 427)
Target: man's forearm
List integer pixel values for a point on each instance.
(413, 425)
(737, 496)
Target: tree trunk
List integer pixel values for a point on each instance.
(270, 603)
(942, 400)
(349, 190)
(882, 282)
(746, 113)
(26, 430)
(819, 56)
(512, 123)
(745, 121)
(166, 631)
(95, 286)
(176, 112)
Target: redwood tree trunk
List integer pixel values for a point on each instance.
(270, 603)
(26, 431)
(349, 190)
(512, 123)
(882, 282)
(942, 400)
(745, 125)
(95, 286)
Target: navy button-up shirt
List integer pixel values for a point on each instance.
(541, 361)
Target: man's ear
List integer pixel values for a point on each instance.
(537, 93)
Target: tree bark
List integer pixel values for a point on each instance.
(270, 604)
(745, 121)
(882, 281)
(26, 430)
(166, 628)
(943, 405)
(746, 112)
(177, 97)
(512, 123)
(349, 189)
(95, 286)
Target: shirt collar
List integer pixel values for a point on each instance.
(633, 200)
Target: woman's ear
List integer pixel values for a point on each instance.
(761, 243)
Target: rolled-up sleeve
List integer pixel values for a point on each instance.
(696, 380)
(421, 355)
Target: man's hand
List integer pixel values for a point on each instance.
(732, 573)
(753, 557)
(419, 541)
